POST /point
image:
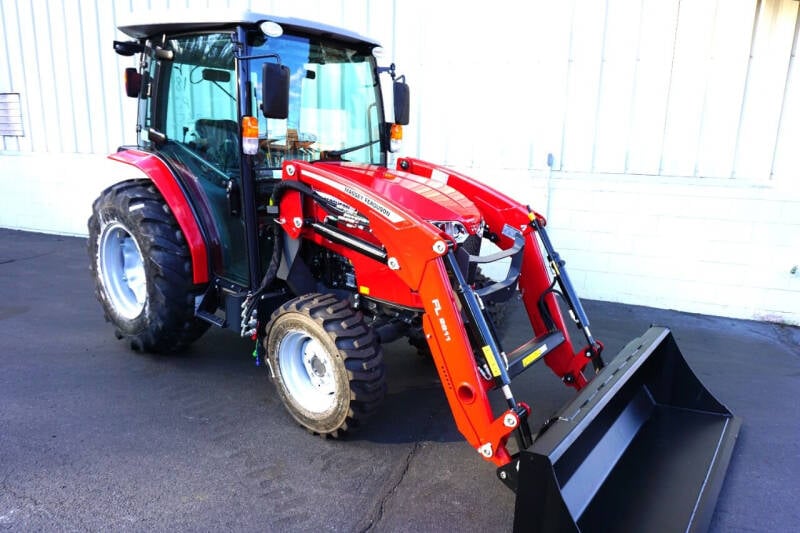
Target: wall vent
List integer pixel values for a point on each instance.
(11, 115)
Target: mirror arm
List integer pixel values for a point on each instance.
(260, 56)
(390, 69)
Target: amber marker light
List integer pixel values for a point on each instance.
(250, 135)
(395, 137)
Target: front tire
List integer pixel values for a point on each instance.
(142, 268)
(326, 363)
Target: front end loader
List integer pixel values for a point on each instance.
(268, 206)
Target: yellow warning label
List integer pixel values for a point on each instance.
(534, 355)
(490, 359)
(363, 290)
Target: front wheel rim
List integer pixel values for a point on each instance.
(122, 270)
(307, 371)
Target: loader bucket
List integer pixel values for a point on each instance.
(643, 447)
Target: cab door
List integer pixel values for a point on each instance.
(196, 110)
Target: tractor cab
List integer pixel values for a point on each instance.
(226, 104)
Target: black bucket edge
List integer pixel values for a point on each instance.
(541, 506)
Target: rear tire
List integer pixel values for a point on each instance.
(142, 269)
(326, 363)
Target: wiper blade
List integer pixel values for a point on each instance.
(337, 153)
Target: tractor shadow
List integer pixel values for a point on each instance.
(416, 408)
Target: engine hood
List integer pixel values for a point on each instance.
(429, 199)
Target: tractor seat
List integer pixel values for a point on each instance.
(221, 141)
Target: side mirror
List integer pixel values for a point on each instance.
(133, 82)
(275, 90)
(216, 75)
(402, 101)
(128, 48)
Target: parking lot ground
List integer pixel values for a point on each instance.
(96, 437)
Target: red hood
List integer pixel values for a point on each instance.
(428, 199)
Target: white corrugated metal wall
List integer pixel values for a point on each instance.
(672, 124)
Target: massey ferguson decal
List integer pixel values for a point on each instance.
(358, 195)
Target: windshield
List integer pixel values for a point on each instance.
(334, 104)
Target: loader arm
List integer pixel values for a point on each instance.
(535, 282)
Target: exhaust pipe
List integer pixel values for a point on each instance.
(643, 447)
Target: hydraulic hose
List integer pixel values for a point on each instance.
(275, 260)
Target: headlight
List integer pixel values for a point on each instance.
(455, 229)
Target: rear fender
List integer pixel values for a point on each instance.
(164, 180)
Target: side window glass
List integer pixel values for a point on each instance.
(201, 112)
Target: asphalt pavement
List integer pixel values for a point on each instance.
(94, 437)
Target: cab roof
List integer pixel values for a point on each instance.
(142, 25)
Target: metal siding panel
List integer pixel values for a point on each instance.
(128, 106)
(6, 81)
(602, 104)
(44, 96)
(546, 57)
(93, 82)
(787, 156)
(727, 71)
(60, 84)
(766, 83)
(80, 75)
(407, 52)
(15, 81)
(687, 86)
(111, 82)
(513, 109)
(432, 119)
(649, 113)
(31, 91)
(470, 82)
(612, 129)
(584, 76)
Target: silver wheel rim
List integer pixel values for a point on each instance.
(307, 371)
(122, 270)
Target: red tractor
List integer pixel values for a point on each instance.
(269, 208)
